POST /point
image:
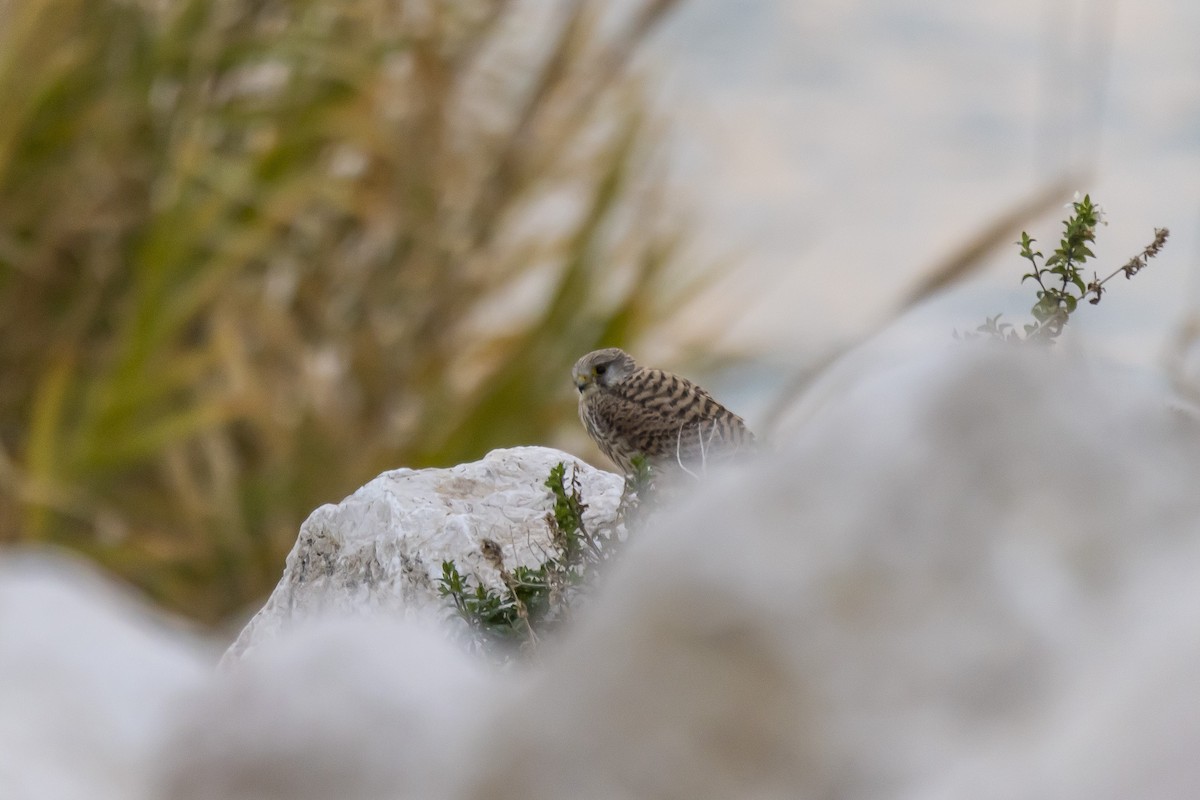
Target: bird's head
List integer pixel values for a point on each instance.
(601, 369)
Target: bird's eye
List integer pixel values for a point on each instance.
(601, 368)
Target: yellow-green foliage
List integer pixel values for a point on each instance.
(253, 253)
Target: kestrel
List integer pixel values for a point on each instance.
(630, 410)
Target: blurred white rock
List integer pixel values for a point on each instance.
(925, 574)
(89, 677)
(1129, 726)
(353, 709)
(381, 549)
(967, 573)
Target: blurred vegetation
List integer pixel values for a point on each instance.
(253, 253)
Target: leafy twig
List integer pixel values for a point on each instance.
(1061, 285)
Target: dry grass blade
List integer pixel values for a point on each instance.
(996, 234)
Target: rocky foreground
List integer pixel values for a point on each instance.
(959, 575)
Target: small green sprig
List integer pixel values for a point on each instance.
(492, 620)
(1060, 284)
(1059, 277)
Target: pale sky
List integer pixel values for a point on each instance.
(839, 149)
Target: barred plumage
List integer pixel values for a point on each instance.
(629, 410)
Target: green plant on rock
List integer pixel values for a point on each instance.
(533, 601)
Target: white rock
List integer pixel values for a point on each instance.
(924, 575)
(971, 576)
(382, 548)
(88, 681)
(1128, 726)
(352, 709)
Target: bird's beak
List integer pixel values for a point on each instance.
(581, 382)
